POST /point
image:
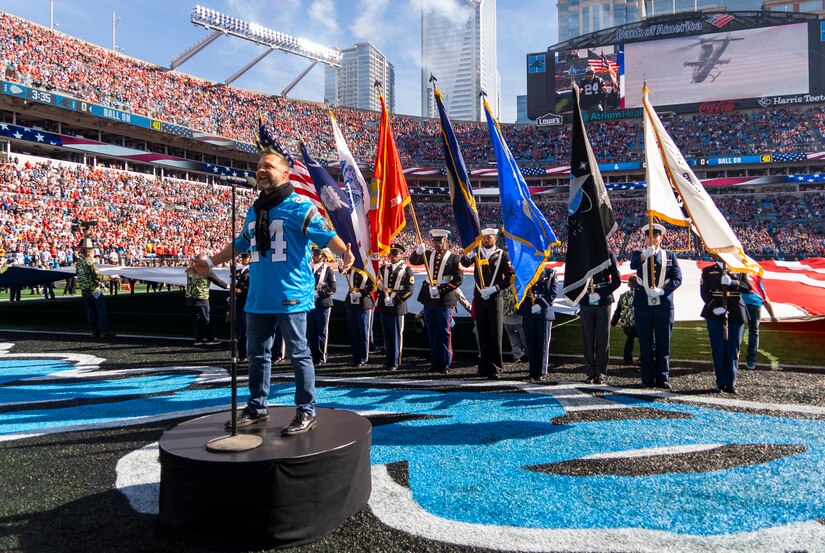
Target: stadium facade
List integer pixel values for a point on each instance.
(351, 85)
(459, 49)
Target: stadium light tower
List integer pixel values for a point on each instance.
(115, 21)
(222, 24)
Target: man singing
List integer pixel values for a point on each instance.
(279, 227)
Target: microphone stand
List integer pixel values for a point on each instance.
(234, 442)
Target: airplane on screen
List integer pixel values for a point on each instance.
(709, 57)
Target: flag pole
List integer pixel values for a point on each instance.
(421, 241)
(725, 301)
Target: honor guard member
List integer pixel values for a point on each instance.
(359, 316)
(653, 306)
(438, 297)
(318, 317)
(722, 293)
(537, 316)
(395, 286)
(241, 292)
(492, 273)
(594, 310)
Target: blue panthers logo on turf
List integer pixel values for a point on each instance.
(513, 462)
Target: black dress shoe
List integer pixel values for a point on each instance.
(303, 422)
(664, 385)
(729, 390)
(493, 376)
(245, 418)
(523, 359)
(392, 369)
(590, 380)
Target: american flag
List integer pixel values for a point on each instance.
(788, 157)
(298, 172)
(601, 63)
(720, 19)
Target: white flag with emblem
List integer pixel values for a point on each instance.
(675, 194)
(355, 188)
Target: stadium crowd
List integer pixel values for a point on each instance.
(135, 219)
(39, 57)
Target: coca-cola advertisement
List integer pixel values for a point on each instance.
(717, 107)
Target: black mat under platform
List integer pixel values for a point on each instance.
(288, 491)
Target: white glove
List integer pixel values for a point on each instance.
(96, 294)
(647, 252)
(388, 302)
(726, 280)
(594, 298)
(718, 310)
(487, 292)
(536, 309)
(434, 292)
(655, 292)
(354, 297)
(419, 249)
(471, 255)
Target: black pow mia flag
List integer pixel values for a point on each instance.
(590, 220)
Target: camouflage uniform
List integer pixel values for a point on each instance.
(89, 278)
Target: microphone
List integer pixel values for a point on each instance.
(248, 181)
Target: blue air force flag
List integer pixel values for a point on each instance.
(461, 191)
(529, 236)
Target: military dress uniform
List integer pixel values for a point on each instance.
(439, 299)
(654, 315)
(241, 292)
(594, 310)
(537, 316)
(359, 307)
(396, 281)
(492, 273)
(725, 352)
(318, 317)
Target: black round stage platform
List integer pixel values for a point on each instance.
(289, 491)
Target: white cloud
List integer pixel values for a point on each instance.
(323, 12)
(371, 22)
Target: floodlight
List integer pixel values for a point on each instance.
(259, 34)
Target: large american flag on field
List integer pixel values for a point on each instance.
(298, 172)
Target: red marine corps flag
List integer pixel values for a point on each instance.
(389, 194)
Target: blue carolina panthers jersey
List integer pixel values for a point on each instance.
(280, 279)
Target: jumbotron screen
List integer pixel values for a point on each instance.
(720, 66)
(748, 67)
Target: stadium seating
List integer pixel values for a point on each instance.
(37, 56)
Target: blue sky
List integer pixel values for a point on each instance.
(157, 30)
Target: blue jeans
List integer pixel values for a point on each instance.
(203, 323)
(96, 312)
(260, 332)
(755, 313)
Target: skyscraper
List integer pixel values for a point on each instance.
(458, 47)
(351, 85)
